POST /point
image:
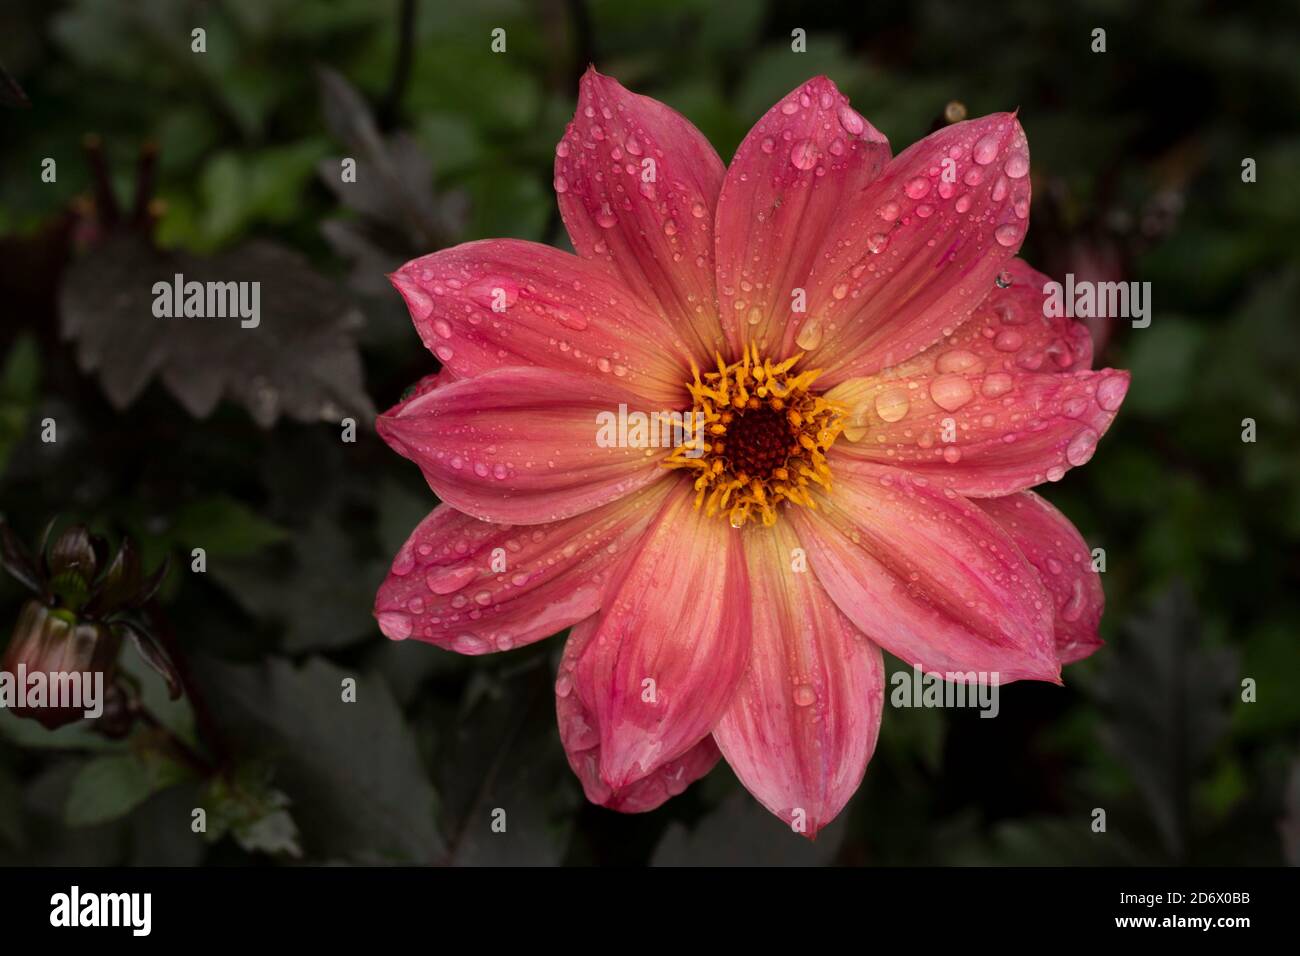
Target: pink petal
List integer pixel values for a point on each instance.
(484, 305)
(913, 255)
(948, 415)
(1009, 332)
(1064, 563)
(637, 187)
(475, 587)
(671, 643)
(582, 745)
(928, 576)
(519, 445)
(804, 721)
(801, 168)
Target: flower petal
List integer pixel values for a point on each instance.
(1064, 563)
(1009, 331)
(804, 720)
(484, 305)
(801, 168)
(912, 256)
(928, 576)
(974, 427)
(475, 587)
(582, 744)
(519, 445)
(671, 643)
(637, 187)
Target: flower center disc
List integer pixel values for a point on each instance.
(760, 437)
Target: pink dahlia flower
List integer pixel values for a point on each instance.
(879, 387)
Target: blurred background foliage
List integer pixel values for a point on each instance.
(1137, 158)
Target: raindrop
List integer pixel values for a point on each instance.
(986, 150)
(1111, 391)
(851, 121)
(810, 336)
(395, 625)
(951, 392)
(1081, 447)
(803, 155)
(892, 404)
(1007, 234)
(917, 187)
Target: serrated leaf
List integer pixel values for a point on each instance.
(224, 527)
(503, 764)
(107, 788)
(321, 597)
(741, 833)
(300, 361)
(352, 770)
(394, 177)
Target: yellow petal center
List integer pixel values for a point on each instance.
(764, 438)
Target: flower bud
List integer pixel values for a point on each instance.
(56, 667)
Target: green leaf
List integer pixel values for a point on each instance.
(110, 787)
(352, 770)
(19, 380)
(503, 763)
(742, 833)
(225, 527)
(248, 808)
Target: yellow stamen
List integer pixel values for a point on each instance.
(784, 465)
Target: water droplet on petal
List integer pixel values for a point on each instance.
(1111, 392)
(999, 383)
(917, 187)
(395, 625)
(851, 121)
(1081, 447)
(804, 695)
(810, 336)
(986, 150)
(951, 392)
(892, 404)
(1008, 340)
(450, 580)
(804, 154)
(1016, 166)
(956, 360)
(1007, 234)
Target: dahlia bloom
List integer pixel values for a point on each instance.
(879, 387)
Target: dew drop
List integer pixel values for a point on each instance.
(1016, 166)
(892, 404)
(1007, 234)
(395, 625)
(986, 150)
(951, 392)
(804, 154)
